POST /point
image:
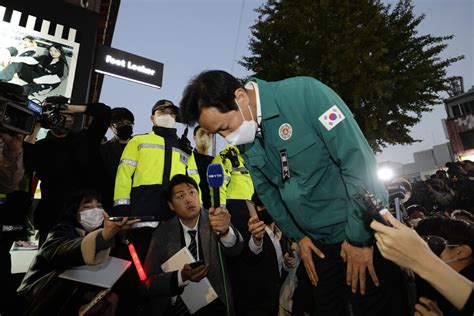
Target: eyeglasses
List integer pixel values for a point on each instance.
(437, 244)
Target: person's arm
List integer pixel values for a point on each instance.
(124, 178)
(229, 237)
(159, 282)
(257, 231)
(100, 114)
(403, 246)
(336, 127)
(11, 168)
(349, 149)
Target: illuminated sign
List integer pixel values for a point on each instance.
(120, 64)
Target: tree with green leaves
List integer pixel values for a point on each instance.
(370, 53)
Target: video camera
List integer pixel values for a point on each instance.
(15, 116)
(51, 116)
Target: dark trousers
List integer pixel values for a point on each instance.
(215, 308)
(128, 288)
(333, 297)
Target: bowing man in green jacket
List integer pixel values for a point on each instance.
(308, 160)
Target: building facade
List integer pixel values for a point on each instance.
(459, 126)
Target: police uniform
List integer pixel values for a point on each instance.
(147, 164)
(308, 162)
(237, 188)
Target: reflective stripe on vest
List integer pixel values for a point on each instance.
(239, 169)
(148, 145)
(122, 202)
(129, 162)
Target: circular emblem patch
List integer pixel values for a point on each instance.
(285, 131)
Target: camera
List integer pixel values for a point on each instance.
(15, 116)
(51, 116)
(231, 154)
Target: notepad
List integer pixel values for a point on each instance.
(196, 295)
(103, 275)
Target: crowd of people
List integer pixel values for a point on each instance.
(286, 233)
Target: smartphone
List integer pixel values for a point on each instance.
(141, 218)
(196, 264)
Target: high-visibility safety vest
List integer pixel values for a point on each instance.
(238, 184)
(142, 163)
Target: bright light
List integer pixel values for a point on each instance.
(467, 157)
(385, 174)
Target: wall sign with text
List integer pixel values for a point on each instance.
(120, 64)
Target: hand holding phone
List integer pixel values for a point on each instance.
(196, 264)
(141, 218)
(194, 271)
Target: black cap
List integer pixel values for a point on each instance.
(164, 104)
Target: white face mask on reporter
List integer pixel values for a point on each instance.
(91, 219)
(165, 120)
(245, 133)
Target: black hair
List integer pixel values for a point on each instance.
(28, 37)
(73, 202)
(454, 231)
(176, 180)
(212, 88)
(119, 114)
(62, 57)
(415, 208)
(469, 216)
(196, 129)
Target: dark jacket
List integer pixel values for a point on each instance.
(110, 153)
(202, 161)
(166, 241)
(65, 165)
(67, 246)
(256, 279)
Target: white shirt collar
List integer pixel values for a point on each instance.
(254, 86)
(186, 228)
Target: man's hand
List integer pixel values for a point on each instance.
(358, 260)
(13, 144)
(306, 252)
(194, 275)
(257, 229)
(112, 228)
(427, 308)
(219, 219)
(289, 261)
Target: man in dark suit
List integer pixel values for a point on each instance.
(263, 268)
(206, 236)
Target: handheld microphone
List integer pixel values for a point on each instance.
(396, 194)
(396, 191)
(215, 178)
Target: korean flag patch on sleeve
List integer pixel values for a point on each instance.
(331, 117)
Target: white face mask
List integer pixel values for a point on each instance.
(165, 120)
(91, 219)
(245, 133)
